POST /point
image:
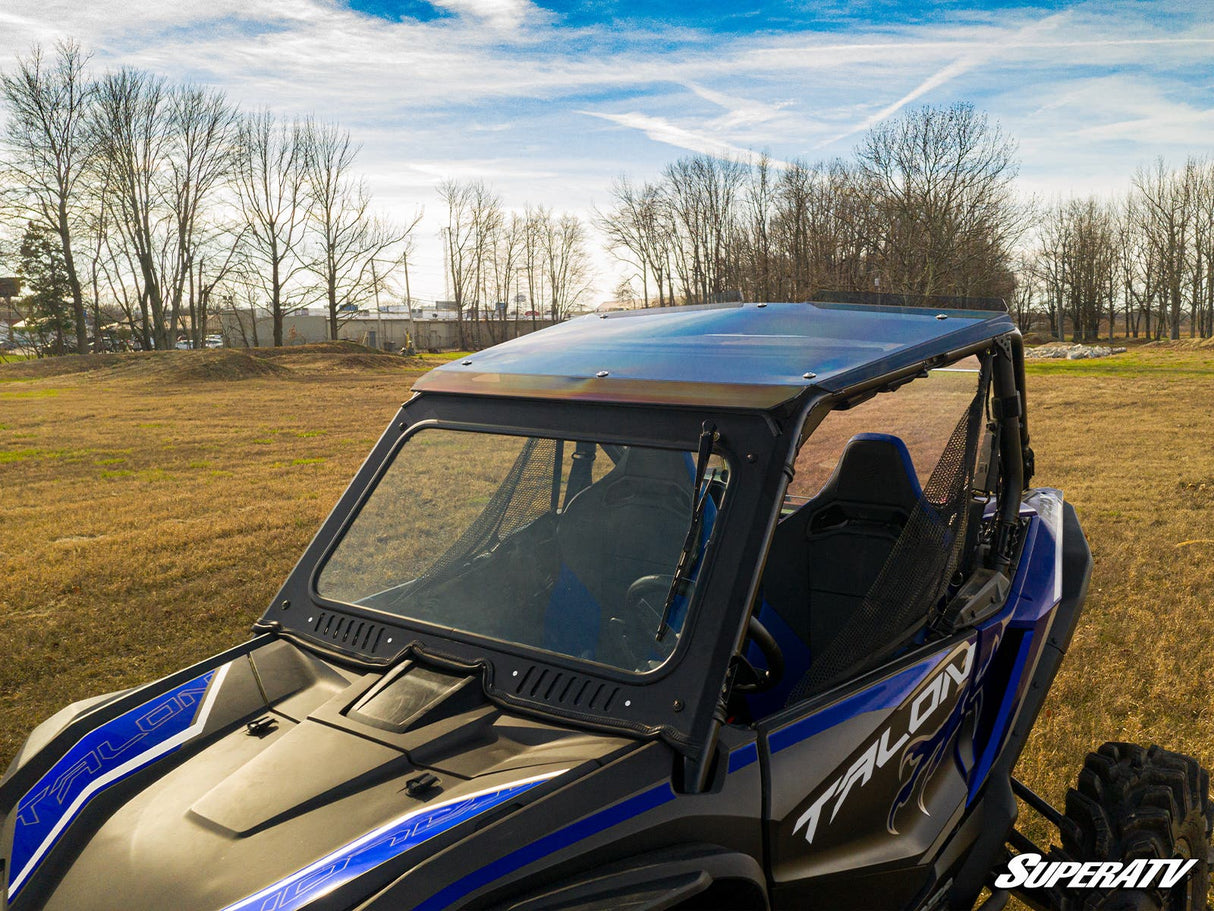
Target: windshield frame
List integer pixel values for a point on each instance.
(678, 703)
(705, 554)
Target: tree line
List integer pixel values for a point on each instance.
(1141, 263)
(926, 207)
(501, 262)
(157, 205)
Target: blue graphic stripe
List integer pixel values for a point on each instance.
(378, 847)
(742, 757)
(99, 760)
(887, 694)
(549, 844)
(1011, 699)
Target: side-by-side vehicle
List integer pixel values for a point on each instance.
(738, 606)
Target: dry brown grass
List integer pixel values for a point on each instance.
(148, 515)
(1129, 439)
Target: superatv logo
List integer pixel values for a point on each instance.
(1029, 871)
(892, 741)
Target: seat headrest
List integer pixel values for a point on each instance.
(874, 468)
(657, 464)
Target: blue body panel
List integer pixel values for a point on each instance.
(910, 751)
(377, 848)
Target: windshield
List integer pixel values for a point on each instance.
(566, 546)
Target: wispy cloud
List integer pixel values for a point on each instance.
(661, 130)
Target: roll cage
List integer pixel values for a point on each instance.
(762, 417)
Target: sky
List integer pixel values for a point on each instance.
(550, 100)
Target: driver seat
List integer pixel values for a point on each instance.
(630, 523)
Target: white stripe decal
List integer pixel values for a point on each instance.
(344, 852)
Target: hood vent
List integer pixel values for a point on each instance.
(564, 689)
(360, 635)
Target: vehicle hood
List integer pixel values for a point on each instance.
(275, 780)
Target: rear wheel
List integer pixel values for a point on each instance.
(1133, 803)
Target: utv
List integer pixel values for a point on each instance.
(668, 609)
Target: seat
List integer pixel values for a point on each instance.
(630, 523)
(825, 557)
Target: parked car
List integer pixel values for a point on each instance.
(213, 341)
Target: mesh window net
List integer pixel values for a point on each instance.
(916, 574)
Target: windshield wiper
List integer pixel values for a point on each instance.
(687, 557)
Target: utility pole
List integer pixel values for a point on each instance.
(379, 314)
(409, 305)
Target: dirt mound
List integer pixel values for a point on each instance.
(1183, 344)
(170, 366)
(329, 357)
(218, 364)
(58, 366)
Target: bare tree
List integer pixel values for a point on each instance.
(567, 264)
(702, 195)
(533, 245)
(1078, 256)
(271, 182)
(1165, 205)
(47, 144)
(943, 182)
(132, 131)
(505, 266)
(202, 126)
(349, 239)
(474, 215)
(635, 233)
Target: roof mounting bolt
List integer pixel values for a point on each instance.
(678, 705)
(601, 374)
(808, 376)
(760, 306)
(285, 604)
(602, 316)
(941, 316)
(465, 363)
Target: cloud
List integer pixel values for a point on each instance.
(661, 130)
(499, 14)
(741, 111)
(551, 113)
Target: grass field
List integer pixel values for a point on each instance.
(151, 507)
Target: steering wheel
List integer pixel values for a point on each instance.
(646, 596)
(763, 681)
(632, 633)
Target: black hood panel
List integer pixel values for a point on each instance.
(313, 794)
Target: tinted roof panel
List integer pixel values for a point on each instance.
(729, 355)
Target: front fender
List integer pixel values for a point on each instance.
(52, 727)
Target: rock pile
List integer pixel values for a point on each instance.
(1072, 352)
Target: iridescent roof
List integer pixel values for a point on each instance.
(722, 355)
